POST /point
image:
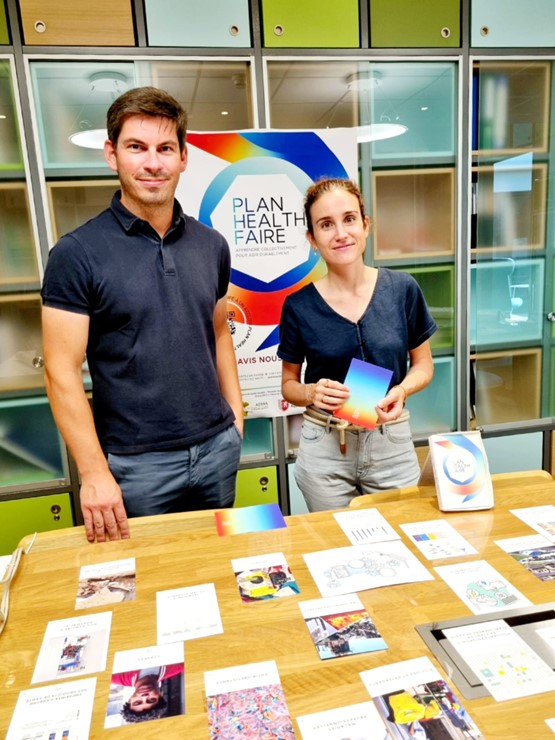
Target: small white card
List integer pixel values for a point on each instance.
(187, 613)
(481, 587)
(56, 711)
(506, 664)
(361, 721)
(437, 539)
(106, 583)
(345, 570)
(540, 518)
(365, 525)
(73, 647)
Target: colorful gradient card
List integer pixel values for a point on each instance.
(249, 519)
(368, 384)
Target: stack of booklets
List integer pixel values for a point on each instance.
(461, 472)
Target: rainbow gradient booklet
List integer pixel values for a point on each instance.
(367, 384)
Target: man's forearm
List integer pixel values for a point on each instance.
(73, 416)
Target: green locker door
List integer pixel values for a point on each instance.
(311, 23)
(4, 35)
(415, 23)
(257, 486)
(29, 515)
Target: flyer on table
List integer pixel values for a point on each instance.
(365, 525)
(535, 552)
(263, 577)
(358, 721)
(540, 518)
(345, 570)
(505, 663)
(187, 613)
(481, 587)
(413, 699)
(57, 711)
(146, 684)
(73, 647)
(106, 583)
(340, 626)
(436, 539)
(247, 701)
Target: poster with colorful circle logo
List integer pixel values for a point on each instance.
(461, 471)
(250, 186)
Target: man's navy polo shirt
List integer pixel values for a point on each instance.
(151, 348)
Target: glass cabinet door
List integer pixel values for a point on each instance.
(512, 241)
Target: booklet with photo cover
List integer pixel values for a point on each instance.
(461, 471)
(341, 625)
(247, 701)
(414, 701)
(367, 384)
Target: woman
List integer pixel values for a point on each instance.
(376, 315)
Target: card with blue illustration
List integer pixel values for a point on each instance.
(368, 384)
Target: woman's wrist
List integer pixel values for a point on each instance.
(404, 391)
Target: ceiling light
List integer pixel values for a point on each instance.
(92, 138)
(379, 131)
(102, 83)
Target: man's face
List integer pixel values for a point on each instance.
(148, 161)
(144, 699)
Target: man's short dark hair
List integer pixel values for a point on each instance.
(157, 712)
(146, 101)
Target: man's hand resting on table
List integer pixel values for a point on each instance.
(102, 506)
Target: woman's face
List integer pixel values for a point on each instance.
(339, 231)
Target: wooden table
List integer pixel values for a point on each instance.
(184, 549)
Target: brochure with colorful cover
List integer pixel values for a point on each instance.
(263, 577)
(247, 701)
(461, 471)
(147, 684)
(73, 647)
(535, 552)
(356, 721)
(414, 700)
(341, 625)
(368, 384)
(249, 519)
(60, 710)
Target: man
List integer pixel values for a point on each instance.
(147, 701)
(141, 290)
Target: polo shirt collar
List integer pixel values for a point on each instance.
(131, 222)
